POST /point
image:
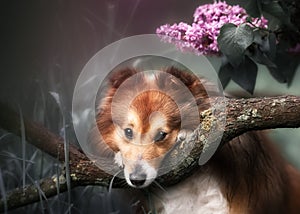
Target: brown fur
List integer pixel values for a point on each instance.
(253, 176)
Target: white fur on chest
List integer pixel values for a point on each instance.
(196, 195)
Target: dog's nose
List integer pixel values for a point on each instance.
(137, 179)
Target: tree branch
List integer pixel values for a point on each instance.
(261, 113)
(33, 193)
(82, 170)
(37, 135)
(242, 115)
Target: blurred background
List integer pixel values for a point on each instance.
(44, 47)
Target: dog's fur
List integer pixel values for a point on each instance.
(247, 175)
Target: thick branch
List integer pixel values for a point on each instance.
(37, 135)
(241, 115)
(32, 193)
(82, 170)
(261, 113)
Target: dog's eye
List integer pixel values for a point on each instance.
(160, 136)
(128, 133)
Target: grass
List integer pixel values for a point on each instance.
(22, 164)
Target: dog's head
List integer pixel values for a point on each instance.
(141, 116)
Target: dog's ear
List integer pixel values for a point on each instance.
(187, 78)
(116, 78)
(190, 80)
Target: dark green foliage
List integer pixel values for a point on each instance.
(234, 40)
(245, 45)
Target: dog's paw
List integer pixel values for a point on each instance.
(118, 159)
(185, 135)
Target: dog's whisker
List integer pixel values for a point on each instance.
(159, 186)
(112, 180)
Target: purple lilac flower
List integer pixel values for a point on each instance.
(295, 49)
(201, 36)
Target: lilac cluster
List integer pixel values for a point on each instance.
(201, 36)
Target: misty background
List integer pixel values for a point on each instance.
(44, 47)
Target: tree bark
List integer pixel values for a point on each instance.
(241, 115)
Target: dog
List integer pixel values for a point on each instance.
(141, 116)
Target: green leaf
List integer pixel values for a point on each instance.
(272, 45)
(286, 66)
(261, 37)
(253, 8)
(258, 55)
(276, 10)
(225, 73)
(234, 40)
(245, 75)
(264, 47)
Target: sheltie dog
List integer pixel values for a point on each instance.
(140, 119)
